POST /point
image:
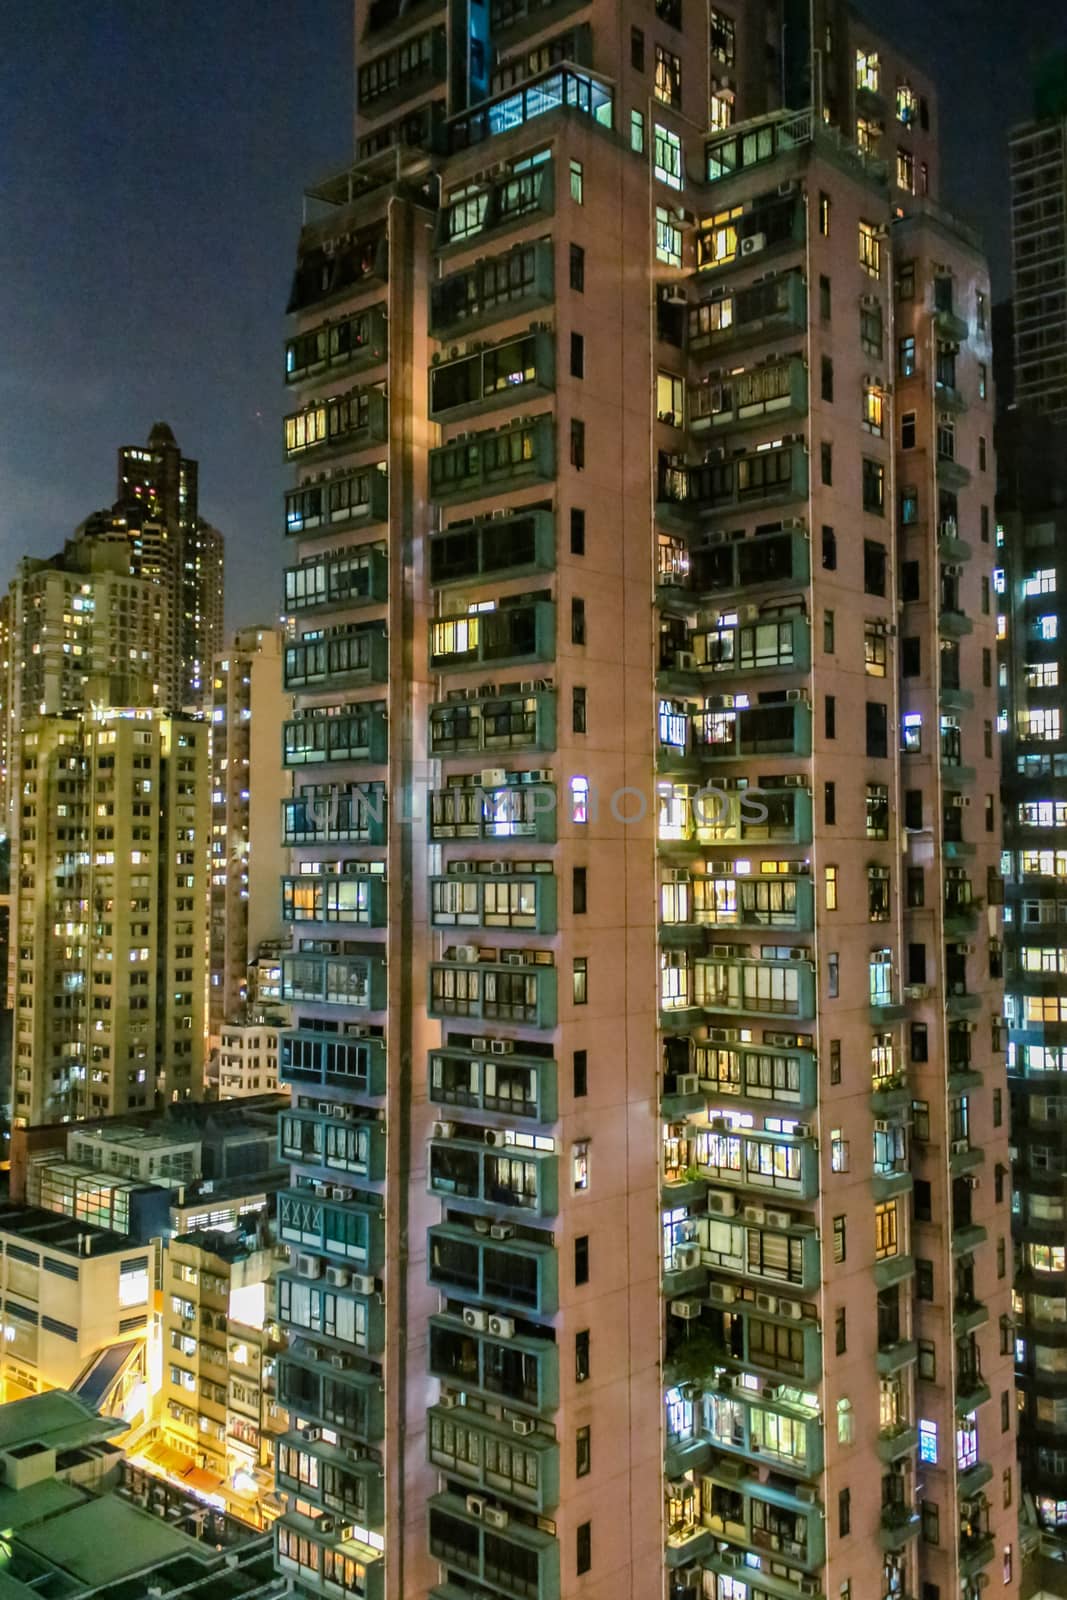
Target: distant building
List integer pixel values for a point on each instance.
(247, 1061)
(1039, 246)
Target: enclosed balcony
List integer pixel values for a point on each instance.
(498, 286)
(515, 988)
(325, 1564)
(336, 897)
(771, 643)
(494, 1268)
(754, 1072)
(519, 369)
(312, 1058)
(325, 1475)
(516, 718)
(344, 1228)
(728, 979)
(689, 818)
(765, 227)
(778, 558)
(510, 200)
(497, 546)
(335, 813)
(559, 89)
(495, 897)
(485, 1453)
(770, 1248)
(785, 1165)
(320, 1387)
(772, 727)
(760, 312)
(332, 1308)
(507, 1177)
(356, 731)
(351, 421)
(708, 900)
(494, 461)
(333, 1141)
(351, 343)
(358, 577)
(494, 1075)
(753, 397)
(357, 981)
(398, 75)
(770, 1519)
(512, 20)
(518, 1369)
(513, 1558)
(513, 635)
(518, 805)
(751, 482)
(340, 266)
(784, 1434)
(340, 658)
(345, 500)
(768, 1334)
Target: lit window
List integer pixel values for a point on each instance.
(668, 238)
(913, 732)
(928, 1442)
(1041, 582)
(868, 133)
(1047, 627)
(844, 1422)
(721, 112)
(907, 104)
(577, 183)
(905, 170)
(867, 70)
(667, 156)
(637, 132)
(580, 800)
(873, 403)
(870, 249)
(831, 888)
(723, 37)
(838, 1151)
(670, 399)
(667, 84)
(580, 1164)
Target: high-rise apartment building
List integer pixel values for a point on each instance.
(248, 785)
(109, 913)
(648, 1225)
(1039, 247)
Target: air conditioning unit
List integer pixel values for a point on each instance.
(724, 1294)
(495, 1137)
(753, 244)
(462, 868)
(477, 1320)
(326, 1525)
(337, 1193)
(483, 1226)
(466, 952)
(502, 1047)
(779, 1219)
(793, 696)
(754, 1214)
(810, 1586)
(806, 1493)
(959, 1146)
(357, 1030)
(339, 1361)
(475, 1506)
(502, 1327)
(685, 1256)
(499, 868)
(338, 1277)
(480, 1046)
(687, 1310)
(767, 1302)
(880, 1125)
(492, 777)
(495, 1517)
(721, 1203)
(321, 1189)
(444, 1130)
(686, 1083)
(512, 958)
(310, 1434)
(363, 1283)
(802, 1130)
(501, 1230)
(523, 1427)
(684, 661)
(446, 1401)
(308, 1267)
(791, 1308)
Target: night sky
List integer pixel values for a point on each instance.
(152, 162)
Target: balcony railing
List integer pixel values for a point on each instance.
(332, 1141)
(519, 1561)
(768, 310)
(346, 1229)
(494, 724)
(498, 286)
(476, 1449)
(510, 636)
(356, 899)
(495, 460)
(344, 500)
(519, 369)
(495, 1078)
(498, 897)
(344, 657)
(356, 732)
(507, 201)
(521, 992)
(519, 1370)
(350, 343)
(515, 1274)
(342, 980)
(308, 1056)
(511, 545)
(316, 1388)
(512, 809)
(750, 398)
(759, 478)
(506, 1177)
(335, 814)
(360, 576)
(559, 89)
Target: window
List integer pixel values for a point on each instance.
(577, 621)
(871, 329)
(824, 214)
(927, 1360)
(827, 378)
(877, 729)
(577, 356)
(844, 1496)
(830, 716)
(637, 137)
(998, 1108)
(907, 104)
(826, 461)
(670, 399)
(581, 1259)
(833, 975)
(831, 888)
(980, 310)
(909, 580)
(829, 803)
(668, 239)
(905, 281)
(580, 1166)
(577, 532)
(867, 70)
(913, 808)
(578, 710)
(835, 1060)
(844, 1422)
(637, 49)
(875, 567)
(667, 85)
(905, 169)
(909, 506)
(981, 452)
(723, 37)
(577, 444)
(581, 1356)
(907, 367)
(721, 109)
(931, 1522)
(828, 632)
(580, 1074)
(839, 1239)
(907, 431)
(585, 1547)
(915, 881)
(824, 297)
(580, 800)
(911, 656)
(829, 549)
(583, 1459)
(577, 268)
(840, 1331)
(580, 980)
(877, 796)
(870, 247)
(928, 1442)
(667, 156)
(878, 894)
(577, 183)
(983, 380)
(924, 1279)
(873, 486)
(578, 891)
(886, 1240)
(1006, 1566)
(873, 410)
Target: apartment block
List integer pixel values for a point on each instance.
(109, 914)
(248, 786)
(248, 1056)
(647, 1222)
(1038, 155)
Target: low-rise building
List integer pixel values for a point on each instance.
(247, 1061)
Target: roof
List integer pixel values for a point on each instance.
(56, 1420)
(104, 1539)
(50, 1230)
(94, 1384)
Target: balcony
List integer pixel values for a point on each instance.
(497, 1080)
(690, 818)
(788, 1078)
(769, 225)
(398, 75)
(890, 1096)
(494, 896)
(519, 369)
(755, 481)
(497, 546)
(514, 199)
(504, 285)
(756, 314)
(521, 1370)
(334, 1306)
(347, 657)
(895, 1443)
(360, 901)
(513, 1558)
(972, 1390)
(519, 807)
(325, 1389)
(350, 344)
(772, 642)
(344, 1228)
(334, 267)
(948, 326)
(512, 635)
(525, 1469)
(494, 461)
(505, 1177)
(359, 577)
(513, 20)
(752, 398)
(894, 1356)
(755, 987)
(338, 980)
(714, 902)
(330, 1141)
(779, 137)
(950, 547)
(521, 991)
(770, 1250)
(327, 1565)
(310, 1058)
(347, 500)
(352, 421)
(495, 723)
(508, 1273)
(329, 1479)
(356, 732)
(782, 1435)
(964, 1156)
(976, 1551)
(331, 813)
(741, 565)
(770, 1518)
(953, 623)
(968, 1314)
(729, 733)
(899, 1524)
(785, 1165)
(559, 89)
(952, 474)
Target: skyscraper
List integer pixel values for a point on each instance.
(1039, 246)
(647, 1218)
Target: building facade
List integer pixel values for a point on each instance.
(1038, 151)
(247, 1061)
(109, 916)
(648, 1227)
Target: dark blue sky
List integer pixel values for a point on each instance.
(152, 162)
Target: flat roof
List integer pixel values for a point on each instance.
(52, 1230)
(104, 1539)
(55, 1419)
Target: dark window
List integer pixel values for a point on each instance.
(922, 1198)
(581, 1356)
(916, 887)
(637, 50)
(581, 1073)
(999, 1174)
(907, 431)
(909, 506)
(577, 621)
(577, 532)
(985, 597)
(913, 808)
(577, 356)
(877, 729)
(578, 891)
(985, 524)
(829, 549)
(578, 268)
(990, 813)
(577, 443)
(924, 1280)
(585, 1547)
(875, 567)
(835, 1060)
(919, 1042)
(840, 1238)
(909, 580)
(840, 1330)
(583, 1455)
(910, 656)
(931, 1522)
(829, 803)
(873, 486)
(578, 718)
(824, 297)
(581, 1259)
(844, 1512)
(826, 456)
(827, 378)
(998, 1108)
(1005, 1411)
(830, 716)
(917, 963)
